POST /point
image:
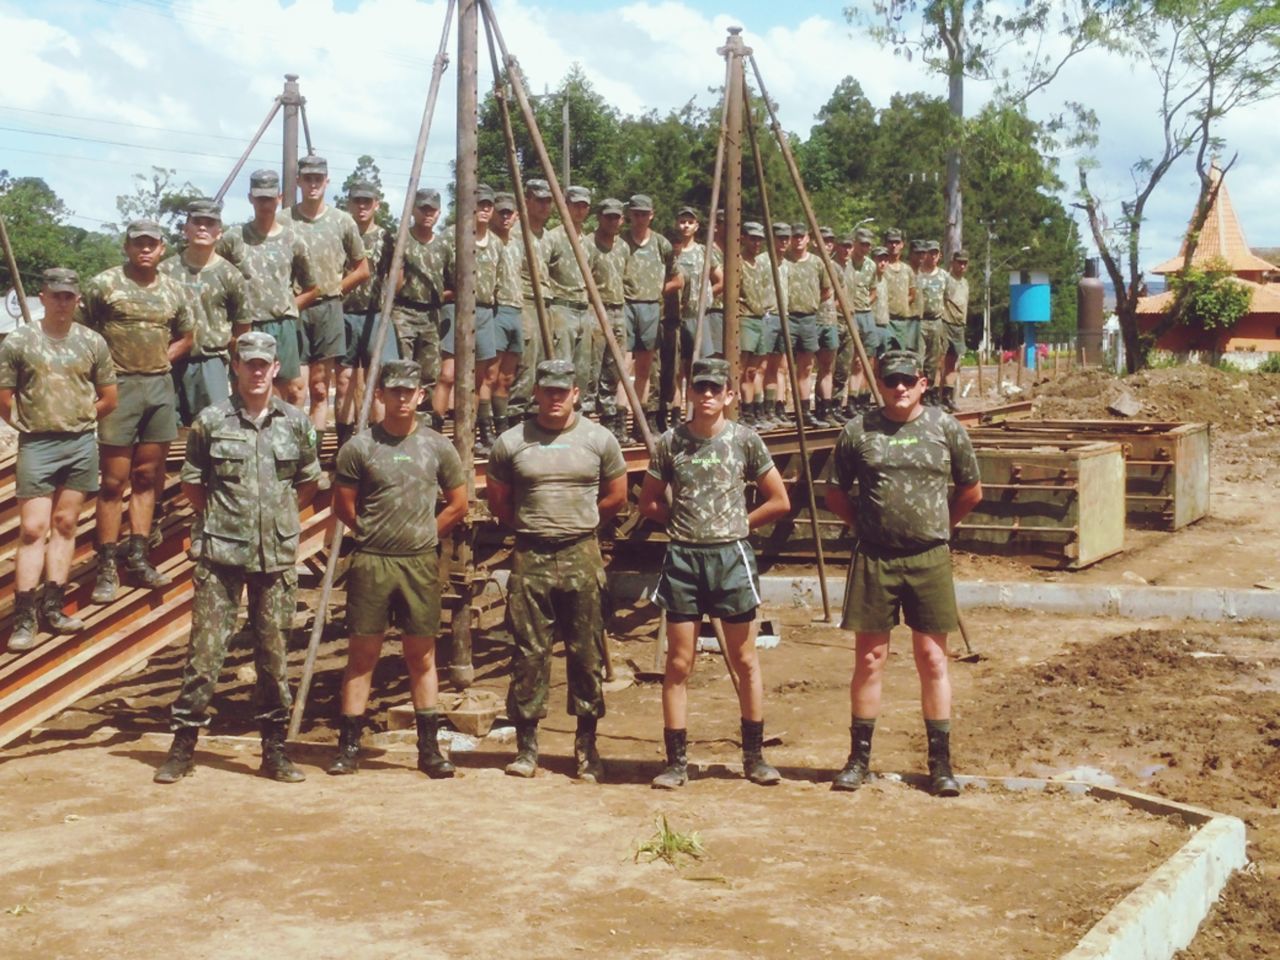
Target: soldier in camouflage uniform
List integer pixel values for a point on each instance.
(56, 381)
(773, 378)
(340, 264)
(251, 466)
(860, 282)
(808, 288)
(900, 297)
(508, 326)
(757, 300)
(955, 317)
(537, 199)
(650, 275)
(709, 568)
(608, 257)
(931, 285)
(421, 293)
(275, 263)
(387, 483)
(574, 323)
(690, 261)
(360, 310)
(144, 317)
(554, 480)
(901, 458)
(215, 292)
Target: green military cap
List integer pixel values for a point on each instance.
(710, 370)
(641, 202)
(206, 208)
(400, 373)
(364, 190)
(892, 236)
(554, 373)
(537, 188)
(610, 206)
(313, 164)
(847, 240)
(919, 246)
(878, 252)
(899, 361)
(863, 235)
(256, 345)
(577, 194)
(427, 197)
(688, 211)
(751, 228)
(826, 233)
(484, 193)
(782, 230)
(61, 280)
(143, 228)
(503, 202)
(264, 183)
(961, 255)
(799, 229)
(932, 246)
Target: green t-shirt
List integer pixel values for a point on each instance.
(378, 244)
(55, 381)
(489, 253)
(510, 293)
(899, 281)
(216, 297)
(902, 471)
(955, 308)
(562, 266)
(690, 262)
(650, 265)
(273, 266)
(423, 269)
(540, 258)
(931, 289)
(860, 280)
(555, 476)
(333, 244)
(807, 285)
(398, 480)
(756, 296)
(708, 480)
(608, 265)
(137, 322)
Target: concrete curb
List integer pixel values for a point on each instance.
(1186, 603)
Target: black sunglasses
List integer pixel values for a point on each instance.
(901, 380)
(708, 386)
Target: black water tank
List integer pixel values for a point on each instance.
(1089, 299)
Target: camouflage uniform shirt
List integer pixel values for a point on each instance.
(860, 280)
(273, 265)
(807, 285)
(540, 253)
(489, 253)
(650, 265)
(55, 382)
(137, 322)
(931, 291)
(510, 293)
(902, 471)
(690, 262)
(423, 270)
(555, 476)
(216, 296)
(562, 267)
(708, 480)
(899, 282)
(608, 265)
(333, 244)
(955, 306)
(250, 472)
(880, 304)
(757, 294)
(397, 481)
(378, 245)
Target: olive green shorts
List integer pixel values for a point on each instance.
(401, 591)
(147, 411)
(51, 461)
(887, 588)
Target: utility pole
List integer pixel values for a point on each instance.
(566, 136)
(291, 98)
(733, 50)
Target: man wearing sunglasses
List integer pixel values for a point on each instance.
(901, 458)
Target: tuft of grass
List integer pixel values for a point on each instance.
(669, 845)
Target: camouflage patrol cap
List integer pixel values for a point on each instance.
(577, 194)
(484, 193)
(799, 229)
(400, 373)
(878, 252)
(919, 246)
(61, 280)
(427, 197)
(782, 229)
(642, 202)
(143, 228)
(750, 228)
(826, 233)
(264, 183)
(554, 373)
(256, 345)
(206, 208)
(710, 370)
(610, 207)
(504, 202)
(847, 240)
(863, 235)
(932, 246)
(961, 255)
(537, 188)
(364, 190)
(688, 211)
(899, 361)
(313, 164)
(892, 236)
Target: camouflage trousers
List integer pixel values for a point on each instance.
(931, 344)
(576, 342)
(556, 592)
(214, 612)
(846, 357)
(418, 333)
(606, 370)
(520, 398)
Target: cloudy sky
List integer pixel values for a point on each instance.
(97, 90)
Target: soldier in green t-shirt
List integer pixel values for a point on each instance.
(537, 199)
(388, 481)
(757, 302)
(955, 316)
(931, 283)
(421, 293)
(900, 296)
(56, 381)
(808, 288)
(901, 458)
(508, 324)
(554, 480)
(575, 325)
(649, 276)
(709, 568)
(860, 275)
(608, 257)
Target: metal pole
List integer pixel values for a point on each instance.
(704, 286)
(733, 50)
(13, 272)
(837, 288)
(292, 101)
(806, 468)
(379, 338)
(593, 292)
(517, 187)
(306, 127)
(253, 142)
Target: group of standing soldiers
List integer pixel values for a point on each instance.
(232, 334)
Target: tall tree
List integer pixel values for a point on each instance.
(41, 238)
(156, 196)
(367, 169)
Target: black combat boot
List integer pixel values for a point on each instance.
(24, 622)
(108, 583)
(181, 759)
(589, 767)
(526, 762)
(949, 400)
(484, 437)
(618, 427)
(780, 415)
(857, 769)
(753, 765)
(51, 609)
(764, 421)
(430, 760)
(275, 763)
(942, 783)
(676, 772)
(348, 758)
(813, 419)
(137, 564)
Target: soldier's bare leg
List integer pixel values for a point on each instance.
(871, 652)
(148, 463)
(67, 505)
(34, 517)
(115, 463)
(740, 644)
(826, 366)
(930, 650)
(319, 375)
(420, 660)
(443, 394)
(293, 391)
(357, 678)
(681, 657)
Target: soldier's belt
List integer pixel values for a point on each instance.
(900, 317)
(529, 541)
(414, 304)
(931, 316)
(487, 306)
(571, 304)
(634, 300)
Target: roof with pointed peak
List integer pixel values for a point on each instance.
(1263, 298)
(1222, 238)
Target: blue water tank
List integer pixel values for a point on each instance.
(1029, 296)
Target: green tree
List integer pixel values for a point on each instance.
(157, 197)
(367, 169)
(35, 217)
